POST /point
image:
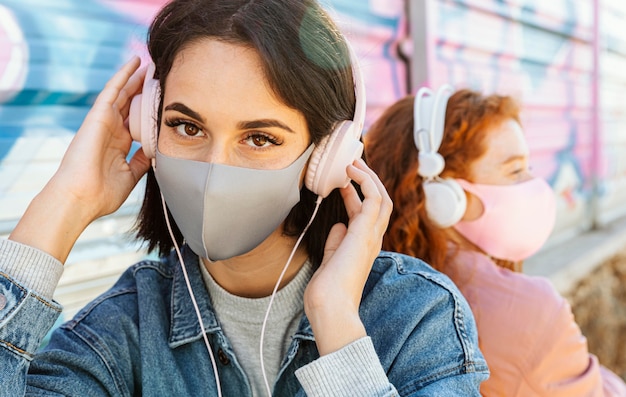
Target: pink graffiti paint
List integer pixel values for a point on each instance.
(141, 11)
(13, 57)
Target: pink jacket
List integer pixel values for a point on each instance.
(528, 335)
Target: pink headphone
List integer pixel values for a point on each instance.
(327, 165)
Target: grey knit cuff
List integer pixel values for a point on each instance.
(354, 370)
(33, 269)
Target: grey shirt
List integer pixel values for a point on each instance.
(242, 318)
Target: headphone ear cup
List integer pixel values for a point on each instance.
(327, 165)
(445, 202)
(143, 114)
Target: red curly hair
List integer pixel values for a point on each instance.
(390, 151)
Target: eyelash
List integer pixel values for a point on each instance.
(173, 123)
(269, 138)
(518, 171)
(178, 122)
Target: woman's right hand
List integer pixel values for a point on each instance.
(94, 177)
(333, 296)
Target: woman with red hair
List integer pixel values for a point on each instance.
(457, 169)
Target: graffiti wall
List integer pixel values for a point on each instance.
(612, 109)
(55, 56)
(376, 29)
(543, 53)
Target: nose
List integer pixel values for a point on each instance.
(216, 153)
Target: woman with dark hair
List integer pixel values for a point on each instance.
(476, 218)
(271, 280)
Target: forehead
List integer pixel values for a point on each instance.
(210, 63)
(226, 82)
(503, 141)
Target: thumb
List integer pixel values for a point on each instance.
(139, 164)
(335, 237)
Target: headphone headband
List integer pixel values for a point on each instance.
(429, 112)
(327, 165)
(359, 92)
(444, 198)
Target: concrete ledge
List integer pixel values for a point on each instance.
(567, 263)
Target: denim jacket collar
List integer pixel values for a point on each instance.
(184, 326)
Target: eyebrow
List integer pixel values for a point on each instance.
(264, 123)
(243, 125)
(179, 107)
(514, 158)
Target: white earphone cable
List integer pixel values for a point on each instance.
(269, 306)
(280, 278)
(193, 299)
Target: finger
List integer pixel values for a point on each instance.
(360, 164)
(386, 202)
(377, 206)
(132, 88)
(112, 88)
(372, 196)
(351, 200)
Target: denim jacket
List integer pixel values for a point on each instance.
(142, 337)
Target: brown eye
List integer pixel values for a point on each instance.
(259, 140)
(184, 128)
(191, 129)
(188, 129)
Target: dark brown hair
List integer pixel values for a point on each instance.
(392, 154)
(307, 64)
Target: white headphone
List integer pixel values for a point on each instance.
(327, 165)
(445, 199)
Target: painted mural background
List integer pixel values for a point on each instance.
(55, 56)
(565, 60)
(567, 69)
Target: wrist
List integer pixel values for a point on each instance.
(52, 223)
(335, 327)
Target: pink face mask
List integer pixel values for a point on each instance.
(516, 220)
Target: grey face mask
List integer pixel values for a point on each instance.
(225, 211)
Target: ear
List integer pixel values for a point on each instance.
(474, 209)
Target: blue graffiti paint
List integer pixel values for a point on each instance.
(74, 47)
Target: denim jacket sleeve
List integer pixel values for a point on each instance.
(26, 315)
(422, 339)
(80, 367)
(422, 328)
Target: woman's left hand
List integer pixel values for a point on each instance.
(333, 296)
